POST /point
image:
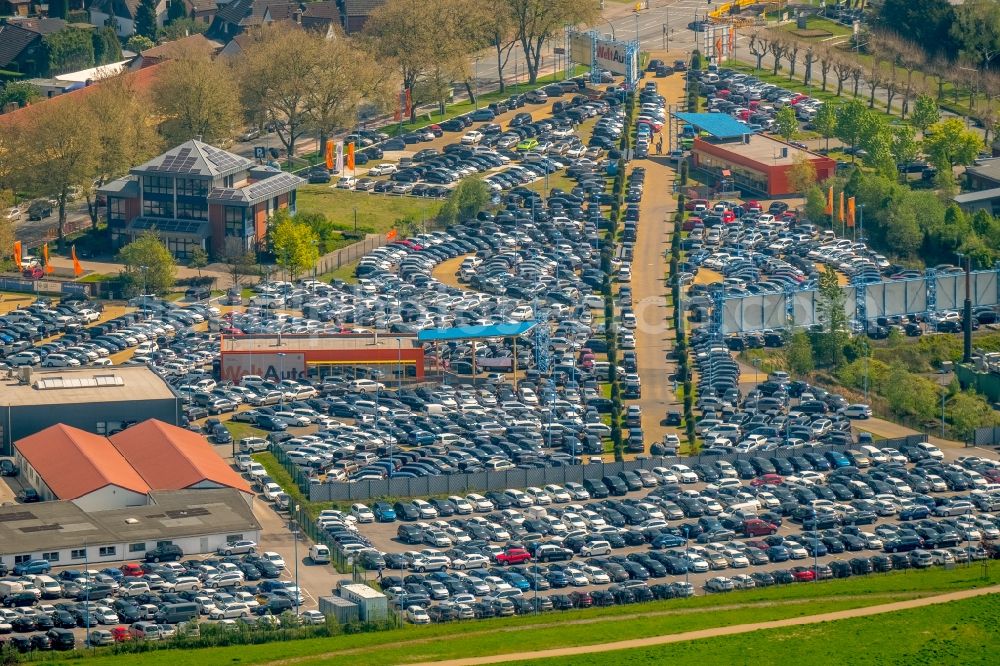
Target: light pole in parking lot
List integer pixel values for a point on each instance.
(86, 603)
(756, 374)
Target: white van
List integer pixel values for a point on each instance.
(319, 554)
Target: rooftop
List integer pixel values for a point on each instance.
(981, 195)
(719, 125)
(74, 462)
(172, 458)
(81, 386)
(60, 525)
(273, 344)
(988, 168)
(764, 150)
(193, 159)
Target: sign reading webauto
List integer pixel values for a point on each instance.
(612, 57)
(271, 367)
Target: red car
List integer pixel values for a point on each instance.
(514, 556)
(34, 273)
(756, 527)
(131, 569)
(768, 480)
(803, 574)
(120, 634)
(758, 543)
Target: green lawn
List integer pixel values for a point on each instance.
(344, 273)
(819, 23)
(239, 430)
(375, 212)
(961, 632)
(409, 644)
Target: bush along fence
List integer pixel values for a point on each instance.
(351, 253)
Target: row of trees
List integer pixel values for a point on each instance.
(898, 67)
(969, 30)
(431, 44)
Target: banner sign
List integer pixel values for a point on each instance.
(581, 48)
(271, 367)
(340, 157)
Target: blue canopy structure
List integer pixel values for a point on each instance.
(719, 125)
(474, 332)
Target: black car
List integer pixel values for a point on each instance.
(319, 175)
(8, 468)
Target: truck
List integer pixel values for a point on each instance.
(373, 606)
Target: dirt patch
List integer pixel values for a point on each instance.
(446, 271)
(810, 33)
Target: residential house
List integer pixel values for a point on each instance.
(162, 52)
(234, 18)
(21, 47)
(198, 196)
(201, 10)
(356, 12)
(321, 16)
(15, 7)
(124, 13)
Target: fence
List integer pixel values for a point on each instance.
(986, 436)
(351, 253)
(45, 286)
(452, 484)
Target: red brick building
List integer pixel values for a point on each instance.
(757, 163)
(198, 196)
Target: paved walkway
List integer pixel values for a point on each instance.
(654, 339)
(717, 631)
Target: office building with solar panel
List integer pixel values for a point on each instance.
(198, 196)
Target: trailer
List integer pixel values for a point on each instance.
(373, 606)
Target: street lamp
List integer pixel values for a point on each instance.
(756, 374)
(612, 25)
(399, 363)
(294, 529)
(142, 297)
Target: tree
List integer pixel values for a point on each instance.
(58, 8)
(810, 57)
(196, 96)
(126, 133)
(816, 205)
(830, 299)
(343, 77)
(323, 228)
(145, 19)
(107, 48)
(538, 20)
(905, 147)
(69, 49)
(800, 354)
(777, 48)
(976, 30)
(176, 11)
(902, 233)
(759, 45)
(21, 93)
(498, 28)
(60, 152)
(785, 123)
(182, 27)
(850, 123)
(138, 43)
(825, 122)
(239, 262)
(276, 71)
(802, 175)
(148, 265)
(826, 58)
(952, 144)
(198, 260)
(925, 113)
(465, 201)
(842, 71)
(294, 244)
(926, 22)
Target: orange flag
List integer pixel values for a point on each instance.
(77, 268)
(45, 256)
(329, 154)
(841, 213)
(17, 254)
(850, 211)
(829, 202)
(350, 156)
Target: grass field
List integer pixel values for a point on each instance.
(376, 213)
(819, 23)
(961, 632)
(586, 627)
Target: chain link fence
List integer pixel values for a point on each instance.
(347, 255)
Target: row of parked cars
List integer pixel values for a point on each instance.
(143, 600)
(486, 555)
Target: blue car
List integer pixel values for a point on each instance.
(32, 567)
(384, 513)
(667, 541)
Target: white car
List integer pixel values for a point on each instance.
(417, 615)
(858, 411)
(274, 558)
(684, 473)
(312, 617)
(362, 513)
(239, 547)
(558, 494)
(462, 505)
(471, 561)
(480, 503)
(383, 170)
(365, 385)
(472, 137)
(229, 611)
(347, 183)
